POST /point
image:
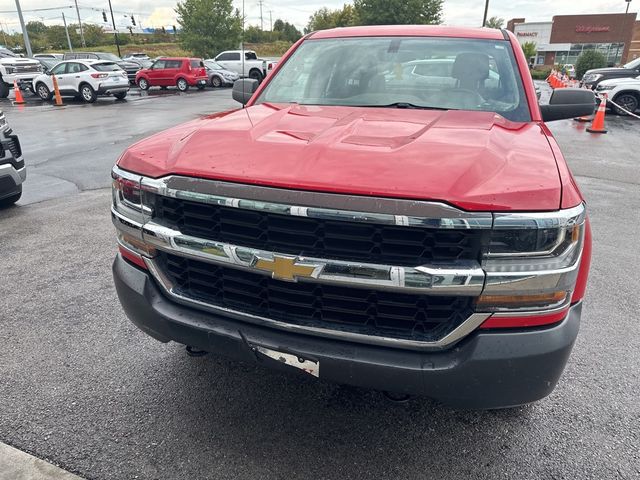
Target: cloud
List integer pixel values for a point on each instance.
(161, 17)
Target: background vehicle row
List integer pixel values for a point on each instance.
(84, 78)
(181, 72)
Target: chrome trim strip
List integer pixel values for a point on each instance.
(464, 278)
(126, 225)
(464, 329)
(329, 206)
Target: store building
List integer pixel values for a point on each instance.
(562, 40)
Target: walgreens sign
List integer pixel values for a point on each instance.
(592, 28)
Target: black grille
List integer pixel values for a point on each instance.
(14, 146)
(364, 311)
(353, 241)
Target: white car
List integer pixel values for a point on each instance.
(623, 91)
(84, 78)
(136, 57)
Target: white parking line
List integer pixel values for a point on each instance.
(17, 465)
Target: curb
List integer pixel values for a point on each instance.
(18, 465)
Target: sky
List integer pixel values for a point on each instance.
(158, 13)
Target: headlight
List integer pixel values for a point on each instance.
(592, 77)
(532, 260)
(131, 208)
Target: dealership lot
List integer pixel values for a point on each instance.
(83, 388)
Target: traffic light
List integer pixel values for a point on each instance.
(104, 17)
(133, 20)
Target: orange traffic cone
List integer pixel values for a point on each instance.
(598, 121)
(56, 92)
(16, 91)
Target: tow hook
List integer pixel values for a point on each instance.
(396, 397)
(194, 352)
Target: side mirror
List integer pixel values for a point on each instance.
(244, 89)
(568, 103)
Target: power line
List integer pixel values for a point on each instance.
(36, 9)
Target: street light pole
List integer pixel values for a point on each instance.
(486, 9)
(115, 31)
(25, 34)
(628, 3)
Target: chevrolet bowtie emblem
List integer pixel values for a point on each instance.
(285, 268)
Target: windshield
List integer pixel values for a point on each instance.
(6, 53)
(106, 67)
(108, 56)
(214, 65)
(633, 64)
(404, 72)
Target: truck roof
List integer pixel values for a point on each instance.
(410, 31)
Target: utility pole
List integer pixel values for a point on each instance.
(260, 2)
(84, 44)
(270, 21)
(64, 20)
(486, 9)
(115, 30)
(25, 34)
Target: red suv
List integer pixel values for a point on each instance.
(167, 72)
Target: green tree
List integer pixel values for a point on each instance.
(286, 31)
(529, 49)
(323, 19)
(398, 12)
(208, 26)
(495, 22)
(588, 60)
(93, 35)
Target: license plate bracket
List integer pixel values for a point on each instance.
(307, 365)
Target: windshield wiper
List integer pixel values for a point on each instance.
(407, 105)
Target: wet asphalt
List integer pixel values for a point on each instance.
(81, 387)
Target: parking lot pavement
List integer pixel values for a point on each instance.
(72, 148)
(83, 388)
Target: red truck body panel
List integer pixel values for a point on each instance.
(475, 160)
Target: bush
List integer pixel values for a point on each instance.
(540, 74)
(588, 60)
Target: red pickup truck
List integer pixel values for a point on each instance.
(388, 210)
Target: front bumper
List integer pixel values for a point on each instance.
(485, 370)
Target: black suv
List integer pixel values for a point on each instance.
(130, 67)
(12, 170)
(593, 77)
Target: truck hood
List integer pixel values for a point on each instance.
(613, 71)
(18, 61)
(475, 160)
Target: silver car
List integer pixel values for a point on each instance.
(218, 76)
